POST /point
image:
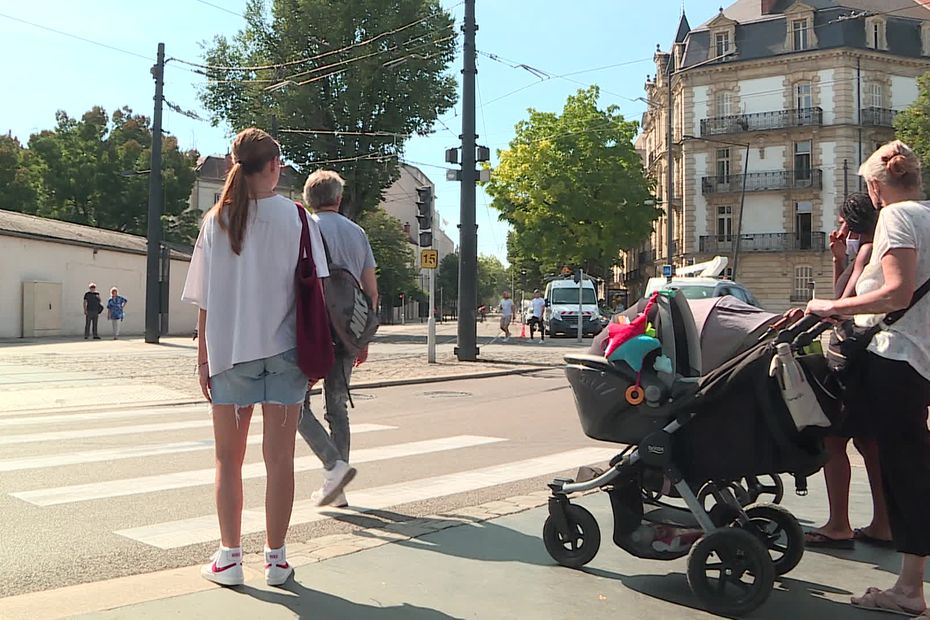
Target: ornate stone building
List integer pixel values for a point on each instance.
(803, 91)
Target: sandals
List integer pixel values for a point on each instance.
(860, 534)
(817, 540)
(879, 600)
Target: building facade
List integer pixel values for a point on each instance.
(774, 104)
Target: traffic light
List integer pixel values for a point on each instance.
(425, 215)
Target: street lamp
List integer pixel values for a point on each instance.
(742, 197)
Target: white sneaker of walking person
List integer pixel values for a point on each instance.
(277, 570)
(334, 481)
(339, 502)
(225, 567)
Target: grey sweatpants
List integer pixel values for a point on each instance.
(330, 446)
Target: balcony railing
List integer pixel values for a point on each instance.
(761, 121)
(764, 242)
(764, 181)
(878, 117)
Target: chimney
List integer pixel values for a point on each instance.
(767, 6)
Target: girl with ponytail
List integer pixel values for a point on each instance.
(241, 276)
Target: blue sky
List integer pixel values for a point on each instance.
(45, 71)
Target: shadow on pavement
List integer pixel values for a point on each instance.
(791, 598)
(306, 603)
(879, 558)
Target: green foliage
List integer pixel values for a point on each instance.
(82, 171)
(395, 84)
(447, 280)
(573, 187)
(913, 125)
(394, 255)
(492, 280)
(19, 177)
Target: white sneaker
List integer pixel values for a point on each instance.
(339, 502)
(506, 338)
(334, 481)
(277, 570)
(542, 342)
(225, 567)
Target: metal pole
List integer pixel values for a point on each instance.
(739, 216)
(153, 248)
(467, 349)
(431, 321)
(580, 304)
(859, 110)
(845, 178)
(670, 176)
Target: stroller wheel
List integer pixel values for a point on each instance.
(780, 531)
(730, 571)
(707, 492)
(756, 488)
(582, 543)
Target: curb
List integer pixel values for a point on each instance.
(124, 592)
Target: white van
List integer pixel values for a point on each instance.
(561, 316)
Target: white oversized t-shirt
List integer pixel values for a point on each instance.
(901, 225)
(539, 304)
(250, 298)
(506, 307)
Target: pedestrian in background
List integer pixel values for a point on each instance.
(539, 306)
(348, 248)
(506, 308)
(115, 312)
(242, 276)
(92, 309)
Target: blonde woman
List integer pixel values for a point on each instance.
(242, 278)
(893, 378)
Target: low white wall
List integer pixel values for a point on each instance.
(23, 260)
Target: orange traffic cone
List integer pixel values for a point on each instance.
(523, 330)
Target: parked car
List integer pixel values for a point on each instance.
(705, 284)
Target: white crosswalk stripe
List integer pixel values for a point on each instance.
(204, 529)
(139, 451)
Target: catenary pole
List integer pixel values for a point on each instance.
(467, 349)
(153, 247)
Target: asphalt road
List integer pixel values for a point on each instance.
(88, 495)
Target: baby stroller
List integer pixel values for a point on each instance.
(690, 433)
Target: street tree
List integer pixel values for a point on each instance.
(94, 171)
(347, 82)
(19, 177)
(492, 279)
(913, 124)
(394, 256)
(447, 281)
(573, 187)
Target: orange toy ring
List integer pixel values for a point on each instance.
(635, 395)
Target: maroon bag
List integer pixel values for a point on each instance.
(315, 353)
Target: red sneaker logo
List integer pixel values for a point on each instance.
(217, 569)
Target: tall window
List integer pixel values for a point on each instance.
(722, 43)
(723, 165)
(802, 160)
(875, 96)
(803, 276)
(724, 104)
(876, 36)
(724, 224)
(803, 96)
(875, 33)
(799, 34)
(803, 225)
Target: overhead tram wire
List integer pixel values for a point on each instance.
(300, 61)
(220, 8)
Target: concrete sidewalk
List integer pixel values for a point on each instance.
(397, 356)
(475, 565)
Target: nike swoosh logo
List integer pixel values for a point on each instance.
(217, 569)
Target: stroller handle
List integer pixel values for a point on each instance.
(808, 336)
(789, 334)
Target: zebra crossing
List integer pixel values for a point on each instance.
(96, 470)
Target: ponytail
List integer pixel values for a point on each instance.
(232, 210)
(251, 151)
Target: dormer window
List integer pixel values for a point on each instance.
(875, 34)
(722, 43)
(799, 34)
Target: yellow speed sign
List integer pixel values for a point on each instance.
(429, 259)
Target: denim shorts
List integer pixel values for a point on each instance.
(275, 379)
